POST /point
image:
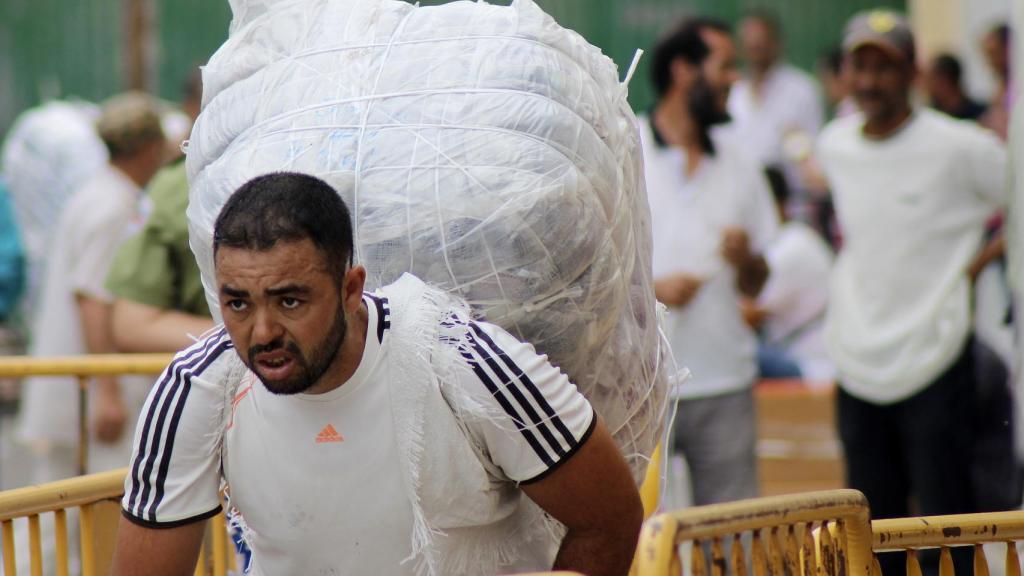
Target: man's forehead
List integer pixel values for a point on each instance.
(293, 256)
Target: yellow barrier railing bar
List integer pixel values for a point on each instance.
(775, 520)
(944, 532)
(60, 526)
(83, 367)
(87, 493)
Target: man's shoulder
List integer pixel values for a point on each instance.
(842, 129)
(797, 79)
(940, 128)
(212, 357)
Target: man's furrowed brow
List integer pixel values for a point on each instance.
(287, 289)
(233, 292)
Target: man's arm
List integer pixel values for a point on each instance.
(142, 328)
(677, 290)
(110, 413)
(145, 551)
(594, 495)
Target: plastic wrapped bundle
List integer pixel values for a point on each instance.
(50, 150)
(482, 148)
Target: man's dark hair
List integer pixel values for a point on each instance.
(948, 66)
(1001, 31)
(777, 182)
(682, 42)
(287, 207)
(767, 18)
(192, 87)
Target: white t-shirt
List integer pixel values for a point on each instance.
(796, 295)
(789, 102)
(318, 478)
(913, 209)
(92, 225)
(688, 218)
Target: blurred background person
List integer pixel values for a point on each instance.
(946, 93)
(776, 108)
(712, 216)
(74, 311)
(913, 189)
(790, 311)
(159, 301)
(996, 47)
(832, 76)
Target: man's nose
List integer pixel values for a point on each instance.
(265, 328)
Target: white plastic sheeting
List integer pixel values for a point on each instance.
(49, 151)
(483, 148)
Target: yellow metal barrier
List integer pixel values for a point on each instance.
(97, 496)
(782, 531)
(84, 368)
(944, 532)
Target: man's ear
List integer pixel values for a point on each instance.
(352, 288)
(682, 73)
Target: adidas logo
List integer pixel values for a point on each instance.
(328, 434)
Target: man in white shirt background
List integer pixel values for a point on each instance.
(712, 216)
(913, 189)
(776, 108)
(73, 315)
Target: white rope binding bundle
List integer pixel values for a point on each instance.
(483, 148)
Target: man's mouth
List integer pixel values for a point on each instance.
(276, 365)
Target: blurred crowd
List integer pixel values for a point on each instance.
(844, 228)
(866, 251)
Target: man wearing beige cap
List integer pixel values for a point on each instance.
(74, 316)
(913, 189)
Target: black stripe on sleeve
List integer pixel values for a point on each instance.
(164, 525)
(507, 407)
(168, 450)
(572, 452)
(509, 385)
(172, 373)
(527, 383)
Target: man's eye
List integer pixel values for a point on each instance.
(290, 303)
(237, 305)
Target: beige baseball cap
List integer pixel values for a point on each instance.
(884, 29)
(128, 121)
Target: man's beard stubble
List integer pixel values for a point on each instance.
(706, 111)
(309, 371)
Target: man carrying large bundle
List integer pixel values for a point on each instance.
(364, 433)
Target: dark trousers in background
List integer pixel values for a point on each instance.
(917, 451)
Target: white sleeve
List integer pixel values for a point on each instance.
(174, 474)
(538, 417)
(986, 157)
(95, 247)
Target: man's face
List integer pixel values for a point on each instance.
(996, 54)
(880, 82)
(760, 48)
(285, 312)
(719, 69)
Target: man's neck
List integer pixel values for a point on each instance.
(678, 129)
(759, 76)
(883, 127)
(133, 170)
(347, 361)
(952, 102)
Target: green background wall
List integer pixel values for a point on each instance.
(63, 48)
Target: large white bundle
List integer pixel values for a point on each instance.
(49, 151)
(483, 148)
